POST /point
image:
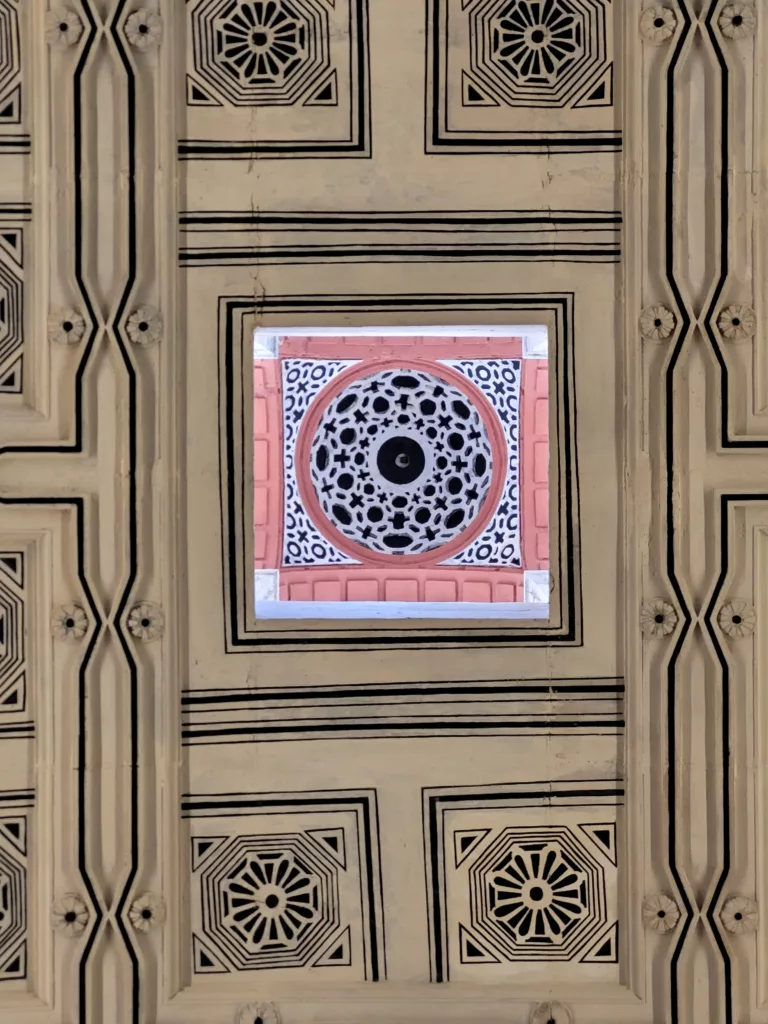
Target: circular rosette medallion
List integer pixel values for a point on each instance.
(406, 462)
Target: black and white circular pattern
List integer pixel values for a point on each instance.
(401, 462)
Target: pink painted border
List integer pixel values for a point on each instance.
(421, 583)
(307, 432)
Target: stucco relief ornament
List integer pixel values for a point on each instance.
(258, 1013)
(63, 27)
(550, 1013)
(146, 621)
(737, 323)
(739, 915)
(657, 24)
(144, 30)
(145, 326)
(69, 915)
(737, 619)
(66, 327)
(737, 21)
(147, 912)
(660, 913)
(70, 623)
(658, 618)
(657, 322)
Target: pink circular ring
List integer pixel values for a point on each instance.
(309, 498)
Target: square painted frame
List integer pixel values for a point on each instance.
(439, 138)
(237, 314)
(358, 143)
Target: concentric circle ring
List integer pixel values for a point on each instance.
(310, 427)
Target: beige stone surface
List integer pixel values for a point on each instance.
(176, 778)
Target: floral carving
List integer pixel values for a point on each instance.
(660, 913)
(657, 24)
(737, 323)
(541, 889)
(145, 326)
(550, 1013)
(536, 42)
(737, 21)
(70, 623)
(69, 915)
(739, 915)
(66, 327)
(658, 618)
(63, 27)
(146, 621)
(737, 618)
(147, 912)
(144, 30)
(253, 53)
(258, 1013)
(657, 322)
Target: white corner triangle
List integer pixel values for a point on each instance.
(265, 345)
(266, 585)
(536, 586)
(535, 343)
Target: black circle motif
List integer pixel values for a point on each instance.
(537, 42)
(401, 462)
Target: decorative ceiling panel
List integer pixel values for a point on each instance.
(347, 306)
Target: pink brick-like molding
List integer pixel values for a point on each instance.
(401, 582)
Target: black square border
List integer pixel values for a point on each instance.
(239, 636)
(364, 804)
(439, 138)
(358, 144)
(542, 793)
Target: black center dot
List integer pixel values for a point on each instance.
(737, 20)
(537, 36)
(658, 22)
(737, 619)
(70, 916)
(63, 26)
(659, 618)
(661, 913)
(657, 322)
(143, 29)
(67, 326)
(536, 893)
(401, 460)
(272, 901)
(146, 913)
(259, 38)
(145, 622)
(737, 916)
(143, 326)
(69, 623)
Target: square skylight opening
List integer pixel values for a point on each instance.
(401, 473)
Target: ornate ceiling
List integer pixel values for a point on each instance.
(208, 815)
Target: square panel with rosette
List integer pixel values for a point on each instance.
(401, 475)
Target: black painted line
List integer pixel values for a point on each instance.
(132, 511)
(236, 641)
(311, 693)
